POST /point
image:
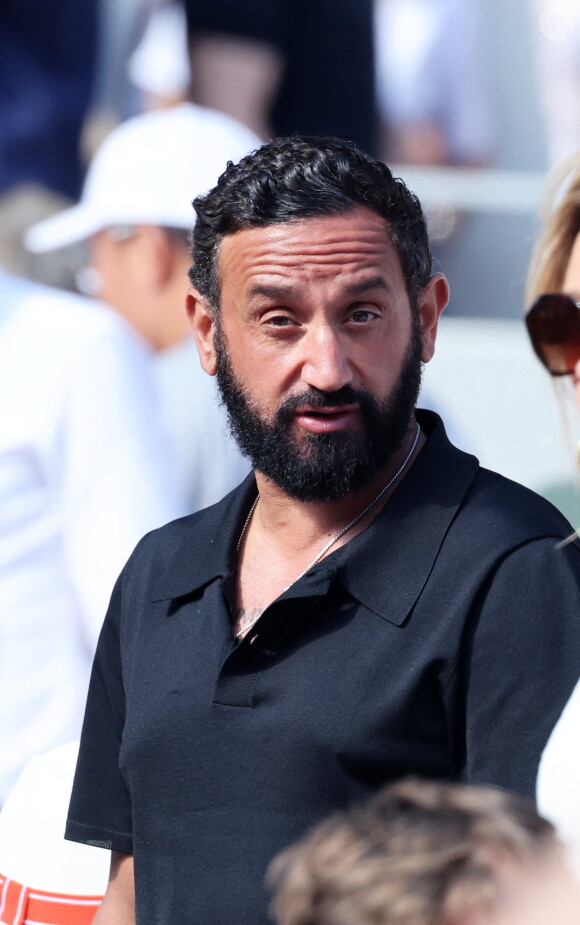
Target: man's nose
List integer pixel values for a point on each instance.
(326, 365)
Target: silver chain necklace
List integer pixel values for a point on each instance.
(338, 535)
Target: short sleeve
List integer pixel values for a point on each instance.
(100, 808)
(522, 665)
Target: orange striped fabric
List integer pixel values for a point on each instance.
(22, 905)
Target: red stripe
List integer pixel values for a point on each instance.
(20, 905)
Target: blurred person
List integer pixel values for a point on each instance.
(287, 66)
(553, 320)
(420, 853)
(369, 602)
(84, 473)
(430, 82)
(135, 213)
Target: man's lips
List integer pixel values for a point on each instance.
(327, 419)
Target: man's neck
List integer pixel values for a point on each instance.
(300, 525)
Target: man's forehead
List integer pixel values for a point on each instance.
(355, 241)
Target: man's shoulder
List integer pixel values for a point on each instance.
(187, 536)
(511, 510)
(165, 540)
(487, 505)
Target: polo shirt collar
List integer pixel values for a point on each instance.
(384, 568)
(209, 551)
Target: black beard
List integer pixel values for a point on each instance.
(322, 467)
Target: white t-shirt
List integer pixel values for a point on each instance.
(558, 787)
(84, 473)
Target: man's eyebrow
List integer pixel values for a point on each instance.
(270, 292)
(363, 285)
(356, 288)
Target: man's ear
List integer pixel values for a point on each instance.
(431, 301)
(202, 321)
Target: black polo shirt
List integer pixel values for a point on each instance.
(443, 641)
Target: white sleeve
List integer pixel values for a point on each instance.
(558, 785)
(117, 478)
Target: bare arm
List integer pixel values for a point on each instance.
(118, 906)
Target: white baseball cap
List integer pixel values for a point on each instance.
(147, 171)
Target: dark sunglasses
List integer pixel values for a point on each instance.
(553, 323)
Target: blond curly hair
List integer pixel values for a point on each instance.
(418, 853)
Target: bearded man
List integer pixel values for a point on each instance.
(368, 603)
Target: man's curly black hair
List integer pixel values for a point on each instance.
(301, 177)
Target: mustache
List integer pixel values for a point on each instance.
(317, 398)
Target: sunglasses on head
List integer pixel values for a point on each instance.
(553, 323)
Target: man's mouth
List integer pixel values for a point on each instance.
(325, 420)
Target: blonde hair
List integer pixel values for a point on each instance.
(560, 220)
(418, 853)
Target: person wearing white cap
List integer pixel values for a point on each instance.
(84, 473)
(135, 212)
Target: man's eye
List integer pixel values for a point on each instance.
(362, 315)
(279, 321)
